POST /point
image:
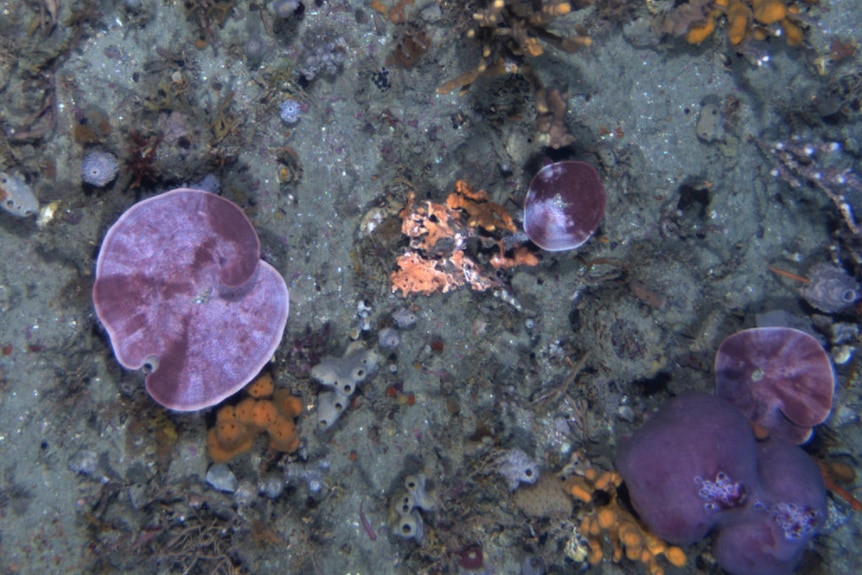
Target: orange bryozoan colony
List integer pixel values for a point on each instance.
(438, 236)
(746, 20)
(611, 522)
(264, 410)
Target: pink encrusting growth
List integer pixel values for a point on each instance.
(181, 290)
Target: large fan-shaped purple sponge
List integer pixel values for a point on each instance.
(181, 289)
(779, 377)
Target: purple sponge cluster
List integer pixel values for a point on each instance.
(697, 466)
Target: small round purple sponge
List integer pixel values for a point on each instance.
(99, 169)
(564, 205)
(697, 466)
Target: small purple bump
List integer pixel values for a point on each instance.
(290, 111)
(564, 205)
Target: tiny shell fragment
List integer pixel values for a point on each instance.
(16, 197)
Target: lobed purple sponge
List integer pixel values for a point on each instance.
(695, 457)
(697, 466)
(785, 513)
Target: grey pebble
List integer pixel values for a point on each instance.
(221, 478)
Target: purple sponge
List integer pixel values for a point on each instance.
(784, 514)
(696, 457)
(696, 465)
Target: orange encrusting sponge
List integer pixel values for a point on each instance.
(229, 437)
(237, 426)
(261, 387)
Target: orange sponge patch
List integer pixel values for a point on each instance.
(745, 20)
(700, 32)
(792, 33)
(261, 387)
(263, 414)
(230, 433)
(769, 11)
(229, 437)
(227, 413)
(237, 426)
(244, 411)
(222, 452)
(738, 22)
(614, 524)
(289, 405)
(283, 436)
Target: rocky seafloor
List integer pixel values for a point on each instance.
(706, 220)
